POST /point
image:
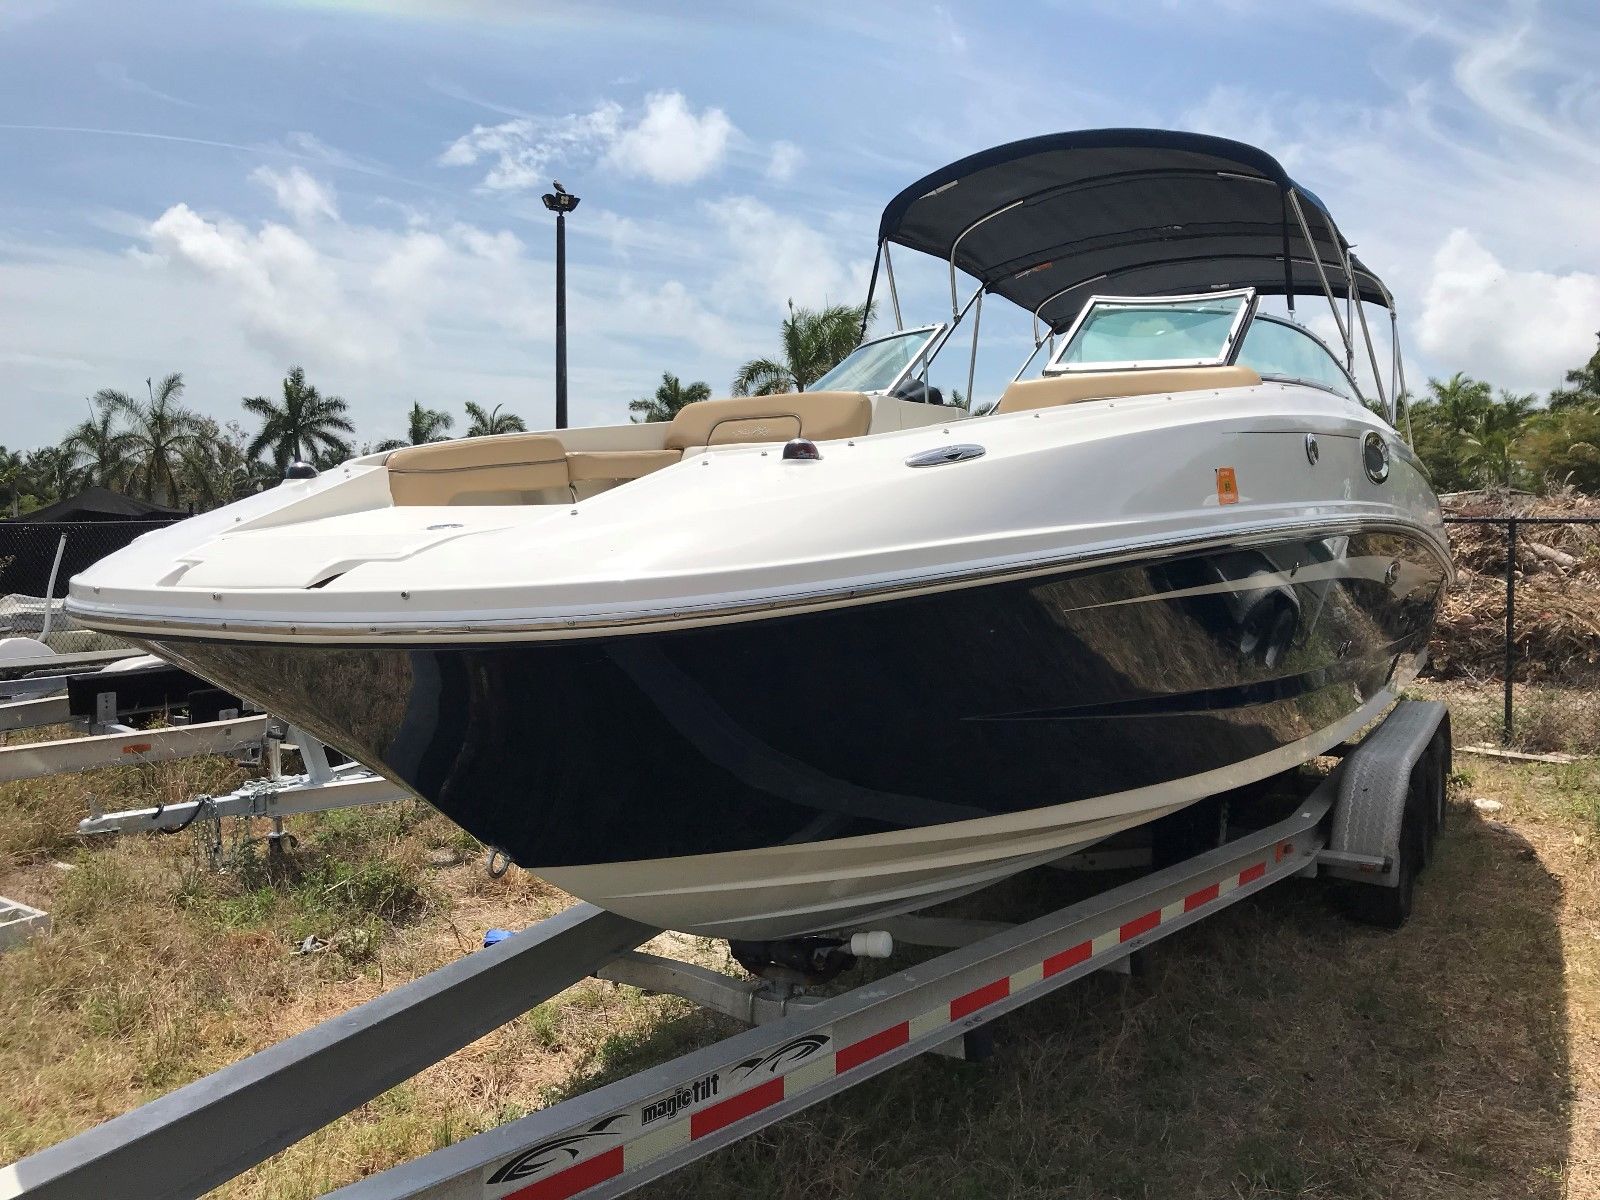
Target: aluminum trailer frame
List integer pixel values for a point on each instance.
(611, 1140)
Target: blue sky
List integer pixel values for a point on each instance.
(226, 189)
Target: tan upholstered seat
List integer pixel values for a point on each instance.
(819, 416)
(513, 468)
(1074, 386)
(588, 466)
(733, 421)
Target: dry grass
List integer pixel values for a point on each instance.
(1273, 1051)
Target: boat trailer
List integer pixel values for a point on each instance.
(1370, 824)
(205, 721)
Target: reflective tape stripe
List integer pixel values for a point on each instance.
(978, 998)
(869, 1048)
(574, 1179)
(734, 1108)
(1132, 929)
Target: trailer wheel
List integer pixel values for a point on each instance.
(1390, 907)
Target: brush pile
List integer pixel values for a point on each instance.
(1558, 591)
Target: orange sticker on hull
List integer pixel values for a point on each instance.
(1227, 486)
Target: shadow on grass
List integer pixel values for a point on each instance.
(1274, 1050)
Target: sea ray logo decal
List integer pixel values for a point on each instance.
(798, 1050)
(536, 1158)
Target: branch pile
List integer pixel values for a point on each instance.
(1558, 591)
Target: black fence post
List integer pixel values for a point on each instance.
(1511, 618)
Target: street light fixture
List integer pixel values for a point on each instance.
(561, 202)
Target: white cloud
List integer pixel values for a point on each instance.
(525, 150)
(668, 143)
(785, 161)
(1496, 143)
(298, 193)
(776, 258)
(1521, 329)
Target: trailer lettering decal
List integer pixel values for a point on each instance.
(685, 1097)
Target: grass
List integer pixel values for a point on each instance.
(1275, 1050)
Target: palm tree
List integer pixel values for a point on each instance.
(1461, 400)
(814, 341)
(1492, 441)
(487, 424)
(306, 426)
(159, 434)
(424, 425)
(670, 397)
(51, 474)
(11, 476)
(97, 448)
(1583, 390)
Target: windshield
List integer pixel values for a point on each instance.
(1156, 332)
(874, 366)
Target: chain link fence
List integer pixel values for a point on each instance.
(1517, 649)
(38, 559)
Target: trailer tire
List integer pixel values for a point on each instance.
(1390, 907)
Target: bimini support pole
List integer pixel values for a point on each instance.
(872, 287)
(1400, 392)
(894, 295)
(972, 363)
(1316, 260)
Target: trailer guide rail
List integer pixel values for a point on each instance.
(1369, 822)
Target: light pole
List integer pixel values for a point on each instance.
(561, 202)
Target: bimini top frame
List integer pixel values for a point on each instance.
(1049, 221)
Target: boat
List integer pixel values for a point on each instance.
(788, 665)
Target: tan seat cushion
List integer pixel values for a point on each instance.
(488, 470)
(1075, 386)
(589, 466)
(817, 415)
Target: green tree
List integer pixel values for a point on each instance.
(1583, 386)
(1561, 447)
(814, 342)
(50, 474)
(424, 425)
(1491, 444)
(159, 434)
(13, 476)
(1441, 423)
(307, 426)
(668, 400)
(487, 424)
(219, 469)
(98, 448)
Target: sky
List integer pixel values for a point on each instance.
(353, 185)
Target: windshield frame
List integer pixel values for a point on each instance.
(922, 355)
(1356, 393)
(1230, 345)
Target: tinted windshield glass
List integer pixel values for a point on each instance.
(874, 366)
(1121, 332)
(1280, 351)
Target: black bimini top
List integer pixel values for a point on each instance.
(1049, 221)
